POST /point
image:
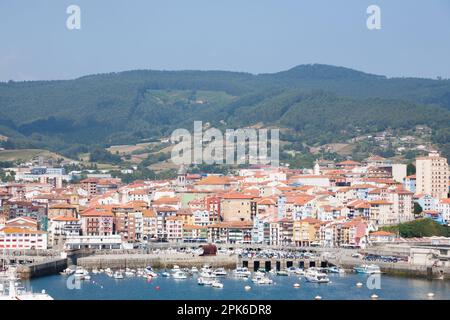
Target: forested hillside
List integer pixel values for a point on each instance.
(320, 104)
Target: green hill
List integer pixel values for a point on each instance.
(320, 103)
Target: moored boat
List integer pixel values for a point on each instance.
(368, 269)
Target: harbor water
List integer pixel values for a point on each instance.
(341, 287)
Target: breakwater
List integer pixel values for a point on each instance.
(41, 268)
(160, 261)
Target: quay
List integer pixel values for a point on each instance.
(159, 261)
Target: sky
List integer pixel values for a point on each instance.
(257, 36)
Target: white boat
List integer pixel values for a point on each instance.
(175, 268)
(242, 272)
(316, 276)
(95, 271)
(206, 268)
(300, 272)
(165, 274)
(207, 274)
(67, 272)
(220, 272)
(291, 270)
(118, 275)
(81, 274)
(368, 269)
(149, 272)
(282, 273)
(260, 273)
(129, 273)
(204, 282)
(262, 280)
(335, 269)
(179, 275)
(194, 270)
(217, 284)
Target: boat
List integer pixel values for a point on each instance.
(95, 271)
(206, 268)
(260, 273)
(300, 272)
(165, 274)
(67, 272)
(129, 273)
(220, 272)
(194, 270)
(118, 275)
(367, 269)
(335, 269)
(204, 282)
(207, 274)
(175, 268)
(282, 273)
(217, 284)
(14, 291)
(179, 275)
(291, 270)
(316, 276)
(81, 274)
(262, 280)
(242, 272)
(149, 272)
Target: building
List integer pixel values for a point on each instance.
(305, 231)
(381, 237)
(432, 175)
(238, 207)
(97, 222)
(62, 227)
(13, 238)
(97, 242)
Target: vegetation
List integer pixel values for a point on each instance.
(320, 104)
(420, 228)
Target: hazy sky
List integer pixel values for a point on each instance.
(241, 35)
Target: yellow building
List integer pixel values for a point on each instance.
(305, 231)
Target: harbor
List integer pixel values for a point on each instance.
(342, 286)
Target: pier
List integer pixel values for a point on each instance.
(259, 263)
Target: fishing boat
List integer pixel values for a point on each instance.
(316, 276)
(179, 275)
(220, 272)
(367, 269)
(217, 284)
(118, 275)
(242, 272)
(149, 272)
(204, 282)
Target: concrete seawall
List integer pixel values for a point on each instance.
(42, 268)
(161, 261)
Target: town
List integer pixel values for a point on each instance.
(331, 205)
